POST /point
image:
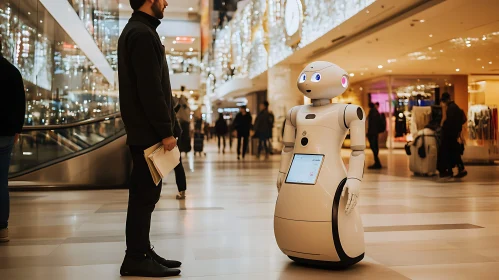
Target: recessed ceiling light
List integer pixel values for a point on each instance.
(457, 70)
(430, 48)
(174, 42)
(431, 35)
(191, 92)
(389, 71)
(352, 74)
(191, 49)
(421, 21)
(367, 12)
(172, 49)
(441, 50)
(478, 59)
(191, 9)
(484, 38)
(468, 45)
(380, 66)
(120, 5)
(450, 84)
(483, 67)
(362, 74)
(490, 62)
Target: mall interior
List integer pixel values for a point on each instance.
(70, 170)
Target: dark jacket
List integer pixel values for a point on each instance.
(146, 99)
(13, 105)
(242, 123)
(221, 127)
(262, 123)
(454, 121)
(373, 122)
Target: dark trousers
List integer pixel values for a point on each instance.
(180, 177)
(142, 199)
(6, 146)
(374, 143)
(450, 154)
(242, 140)
(221, 139)
(262, 145)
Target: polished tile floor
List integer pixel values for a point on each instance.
(416, 228)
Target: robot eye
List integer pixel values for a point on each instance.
(316, 78)
(303, 78)
(344, 81)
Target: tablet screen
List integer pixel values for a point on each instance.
(304, 169)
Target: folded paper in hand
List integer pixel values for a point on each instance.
(160, 162)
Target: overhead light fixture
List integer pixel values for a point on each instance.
(380, 66)
(457, 70)
(389, 71)
(430, 48)
(367, 12)
(431, 35)
(120, 6)
(174, 42)
(450, 84)
(172, 49)
(352, 74)
(484, 38)
(490, 62)
(191, 49)
(362, 74)
(441, 50)
(421, 21)
(478, 59)
(191, 92)
(185, 40)
(391, 60)
(191, 9)
(483, 67)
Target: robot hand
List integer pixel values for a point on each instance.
(280, 180)
(353, 187)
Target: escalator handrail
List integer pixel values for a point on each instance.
(71, 125)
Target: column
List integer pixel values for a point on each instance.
(283, 94)
(461, 91)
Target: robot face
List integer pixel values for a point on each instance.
(323, 80)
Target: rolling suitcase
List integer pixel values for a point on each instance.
(423, 153)
(198, 143)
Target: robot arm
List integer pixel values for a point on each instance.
(288, 140)
(355, 121)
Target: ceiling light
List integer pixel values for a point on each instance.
(391, 60)
(490, 62)
(367, 12)
(174, 42)
(431, 35)
(483, 67)
(191, 92)
(389, 71)
(450, 84)
(484, 38)
(191, 9)
(468, 45)
(191, 49)
(430, 48)
(380, 66)
(421, 21)
(478, 59)
(172, 49)
(352, 74)
(362, 74)
(441, 50)
(120, 6)
(457, 70)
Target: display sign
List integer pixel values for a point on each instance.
(304, 169)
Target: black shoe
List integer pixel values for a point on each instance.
(375, 166)
(145, 266)
(163, 262)
(461, 174)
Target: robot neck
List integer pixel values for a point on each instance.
(320, 102)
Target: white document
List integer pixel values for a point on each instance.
(164, 161)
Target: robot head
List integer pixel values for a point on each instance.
(323, 80)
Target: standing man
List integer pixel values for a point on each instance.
(450, 153)
(147, 110)
(262, 129)
(12, 111)
(242, 123)
(373, 129)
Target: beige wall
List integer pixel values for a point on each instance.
(492, 93)
(461, 91)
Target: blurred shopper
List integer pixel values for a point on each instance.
(450, 149)
(184, 118)
(373, 129)
(262, 129)
(242, 124)
(221, 130)
(148, 113)
(12, 111)
(271, 131)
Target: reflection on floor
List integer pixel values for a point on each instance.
(416, 228)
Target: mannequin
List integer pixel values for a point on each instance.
(316, 221)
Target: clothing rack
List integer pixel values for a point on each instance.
(483, 133)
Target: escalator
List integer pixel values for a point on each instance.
(82, 155)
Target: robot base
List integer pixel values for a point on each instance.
(328, 265)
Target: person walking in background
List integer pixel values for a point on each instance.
(148, 113)
(262, 129)
(271, 132)
(12, 112)
(183, 112)
(221, 130)
(184, 118)
(242, 124)
(450, 149)
(373, 129)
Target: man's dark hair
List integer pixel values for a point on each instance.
(266, 104)
(136, 4)
(243, 107)
(371, 105)
(445, 97)
(377, 104)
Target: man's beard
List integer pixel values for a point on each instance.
(158, 13)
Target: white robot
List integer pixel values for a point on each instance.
(315, 222)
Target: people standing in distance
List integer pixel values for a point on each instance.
(373, 130)
(221, 130)
(242, 124)
(262, 129)
(147, 109)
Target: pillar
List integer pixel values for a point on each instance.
(461, 91)
(283, 94)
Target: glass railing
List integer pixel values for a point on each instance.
(44, 145)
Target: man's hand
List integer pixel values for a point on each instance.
(16, 138)
(353, 188)
(169, 143)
